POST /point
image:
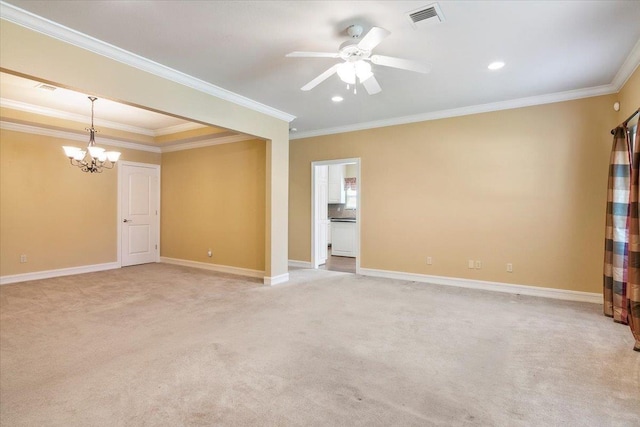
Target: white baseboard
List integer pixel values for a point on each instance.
(214, 267)
(300, 264)
(276, 280)
(48, 274)
(535, 291)
(562, 294)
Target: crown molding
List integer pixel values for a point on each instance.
(626, 70)
(182, 127)
(59, 114)
(628, 67)
(42, 25)
(68, 35)
(465, 111)
(206, 143)
(37, 130)
(51, 112)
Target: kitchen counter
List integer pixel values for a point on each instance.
(343, 220)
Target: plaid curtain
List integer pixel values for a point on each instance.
(633, 286)
(616, 232)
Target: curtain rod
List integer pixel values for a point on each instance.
(613, 131)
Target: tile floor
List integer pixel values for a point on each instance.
(339, 263)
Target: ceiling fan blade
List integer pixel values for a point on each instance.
(373, 38)
(322, 77)
(372, 86)
(403, 64)
(312, 55)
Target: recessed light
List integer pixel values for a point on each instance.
(496, 65)
(337, 98)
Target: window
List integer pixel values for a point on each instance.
(632, 136)
(351, 193)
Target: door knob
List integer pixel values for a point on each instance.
(128, 220)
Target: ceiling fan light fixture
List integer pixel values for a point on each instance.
(356, 54)
(363, 70)
(347, 73)
(363, 77)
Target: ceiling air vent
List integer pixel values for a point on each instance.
(47, 87)
(427, 15)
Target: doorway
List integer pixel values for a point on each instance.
(138, 213)
(335, 214)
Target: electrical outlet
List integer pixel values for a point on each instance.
(209, 253)
(23, 258)
(509, 268)
(471, 264)
(429, 260)
(478, 265)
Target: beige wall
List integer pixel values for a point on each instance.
(60, 217)
(35, 55)
(629, 96)
(214, 197)
(482, 176)
(52, 212)
(524, 186)
(189, 135)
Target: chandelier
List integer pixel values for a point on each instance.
(94, 158)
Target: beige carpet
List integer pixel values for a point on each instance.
(161, 345)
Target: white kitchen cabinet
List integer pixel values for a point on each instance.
(343, 239)
(329, 233)
(336, 184)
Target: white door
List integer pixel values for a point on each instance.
(140, 195)
(322, 177)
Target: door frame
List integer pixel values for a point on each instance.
(119, 215)
(357, 161)
(317, 197)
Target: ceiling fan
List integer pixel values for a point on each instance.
(356, 54)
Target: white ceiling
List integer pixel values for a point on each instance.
(550, 47)
(25, 95)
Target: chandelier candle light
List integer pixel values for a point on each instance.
(94, 158)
